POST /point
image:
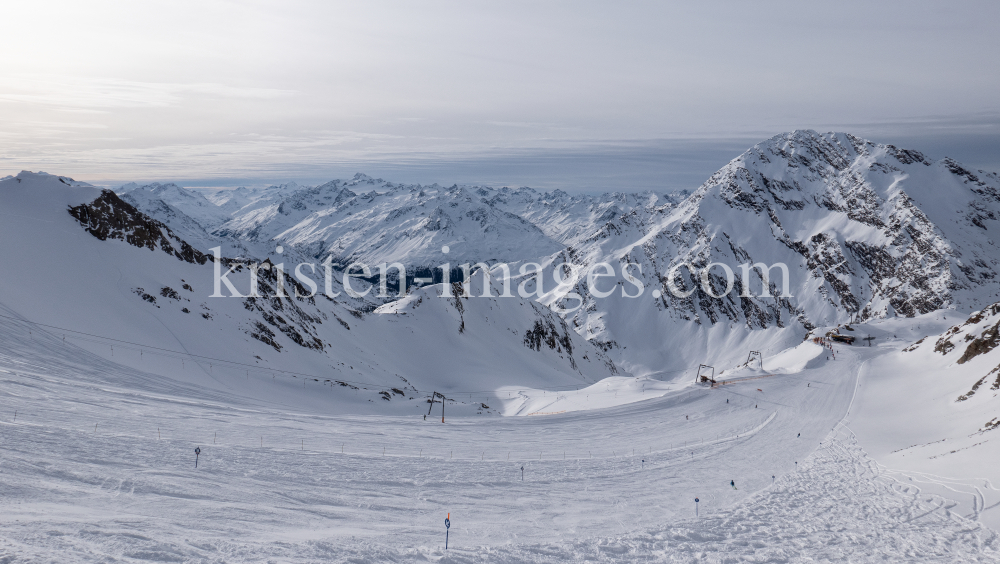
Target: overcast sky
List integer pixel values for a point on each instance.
(583, 96)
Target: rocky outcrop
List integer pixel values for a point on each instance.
(108, 217)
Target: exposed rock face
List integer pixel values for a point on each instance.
(866, 231)
(284, 314)
(880, 249)
(108, 217)
(982, 333)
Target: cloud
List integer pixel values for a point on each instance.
(83, 93)
(564, 95)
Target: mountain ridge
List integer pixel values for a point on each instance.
(866, 231)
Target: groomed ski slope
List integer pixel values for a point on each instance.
(99, 466)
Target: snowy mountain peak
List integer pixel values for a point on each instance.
(27, 175)
(886, 229)
(187, 211)
(866, 231)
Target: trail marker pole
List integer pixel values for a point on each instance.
(447, 525)
(522, 473)
(197, 452)
(696, 507)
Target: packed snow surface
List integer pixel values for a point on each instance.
(100, 465)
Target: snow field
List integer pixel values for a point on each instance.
(73, 493)
(837, 507)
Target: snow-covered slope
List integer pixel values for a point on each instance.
(309, 412)
(99, 266)
(962, 367)
(866, 231)
(231, 201)
(154, 196)
(408, 224)
(926, 406)
(99, 464)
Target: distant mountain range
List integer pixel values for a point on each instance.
(866, 231)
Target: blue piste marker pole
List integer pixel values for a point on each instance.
(696, 507)
(197, 451)
(447, 525)
(522, 473)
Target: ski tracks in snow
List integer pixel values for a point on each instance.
(838, 507)
(76, 493)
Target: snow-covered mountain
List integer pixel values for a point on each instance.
(867, 231)
(100, 266)
(155, 196)
(115, 341)
(878, 230)
(974, 344)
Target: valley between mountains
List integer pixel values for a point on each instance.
(319, 413)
